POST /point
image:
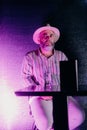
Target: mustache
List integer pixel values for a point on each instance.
(47, 44)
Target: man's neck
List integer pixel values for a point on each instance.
(47, 53)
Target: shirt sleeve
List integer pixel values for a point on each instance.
(27, 73)
(63, 57)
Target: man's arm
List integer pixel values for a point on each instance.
(28, 78)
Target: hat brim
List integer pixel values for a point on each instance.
(38, 31)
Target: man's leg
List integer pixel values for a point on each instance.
(76, 114)
(42, 112)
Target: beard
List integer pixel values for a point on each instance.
(47, 47)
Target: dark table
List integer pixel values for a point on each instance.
(59, 104)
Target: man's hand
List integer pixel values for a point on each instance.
(46, 97)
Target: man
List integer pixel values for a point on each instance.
(41, 72)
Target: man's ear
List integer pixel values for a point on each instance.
(55, 38)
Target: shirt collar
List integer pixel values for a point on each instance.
(39, 52)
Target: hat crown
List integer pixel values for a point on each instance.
(48, 24)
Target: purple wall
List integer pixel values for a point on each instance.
(14, 111)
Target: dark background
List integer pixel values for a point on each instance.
(23, 17)
(18, 21)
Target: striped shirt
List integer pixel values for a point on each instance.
(40, 73)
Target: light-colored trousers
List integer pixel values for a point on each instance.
(42, 112)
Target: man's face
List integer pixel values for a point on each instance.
(47, 38)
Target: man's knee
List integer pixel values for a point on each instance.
(80, 117)
(76, 118)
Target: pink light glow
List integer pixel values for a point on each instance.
(13, 110)
(8, 104)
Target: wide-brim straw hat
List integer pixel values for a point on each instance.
(48, 27)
